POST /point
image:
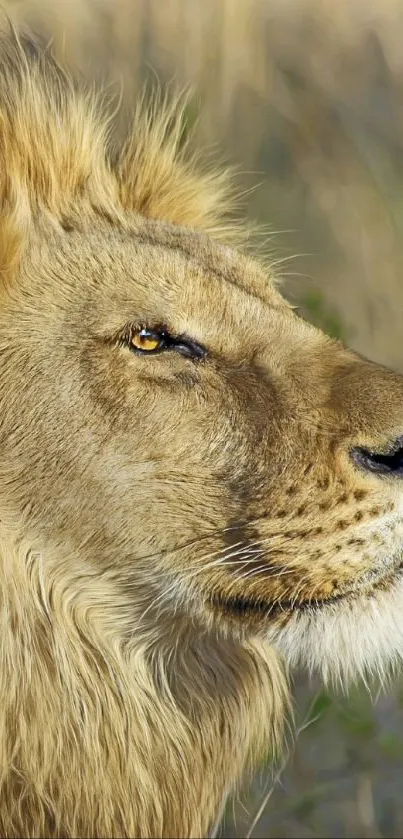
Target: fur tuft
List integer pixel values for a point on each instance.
(160, 179)
(55, 154)
(52, 140)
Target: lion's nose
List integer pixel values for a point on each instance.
(389, 463)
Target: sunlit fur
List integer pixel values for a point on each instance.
(169, 527)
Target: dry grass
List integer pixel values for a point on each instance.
(307, 97)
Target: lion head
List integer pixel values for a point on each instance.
(167, 417)
(178, 447)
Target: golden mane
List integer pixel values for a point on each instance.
(57, 152)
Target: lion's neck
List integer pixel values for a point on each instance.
(100, 738)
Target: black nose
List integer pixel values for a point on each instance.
(390, 463)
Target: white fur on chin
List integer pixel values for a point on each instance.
(347, 640)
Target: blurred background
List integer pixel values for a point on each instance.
(306, 98)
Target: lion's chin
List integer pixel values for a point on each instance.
(356, 637)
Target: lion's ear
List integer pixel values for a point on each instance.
(159, 179)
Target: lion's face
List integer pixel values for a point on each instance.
(222, 477)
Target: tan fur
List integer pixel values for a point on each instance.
(168, 526)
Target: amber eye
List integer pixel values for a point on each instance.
(148, 341)
(144, 341)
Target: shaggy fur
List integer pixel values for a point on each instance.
(170, 523)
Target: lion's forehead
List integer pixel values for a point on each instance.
(151, 273)
(211, 258)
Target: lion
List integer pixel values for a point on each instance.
(198, 489)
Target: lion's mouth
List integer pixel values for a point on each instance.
(242, 606)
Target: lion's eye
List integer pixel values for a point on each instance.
(145, 341)
(148, 341)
